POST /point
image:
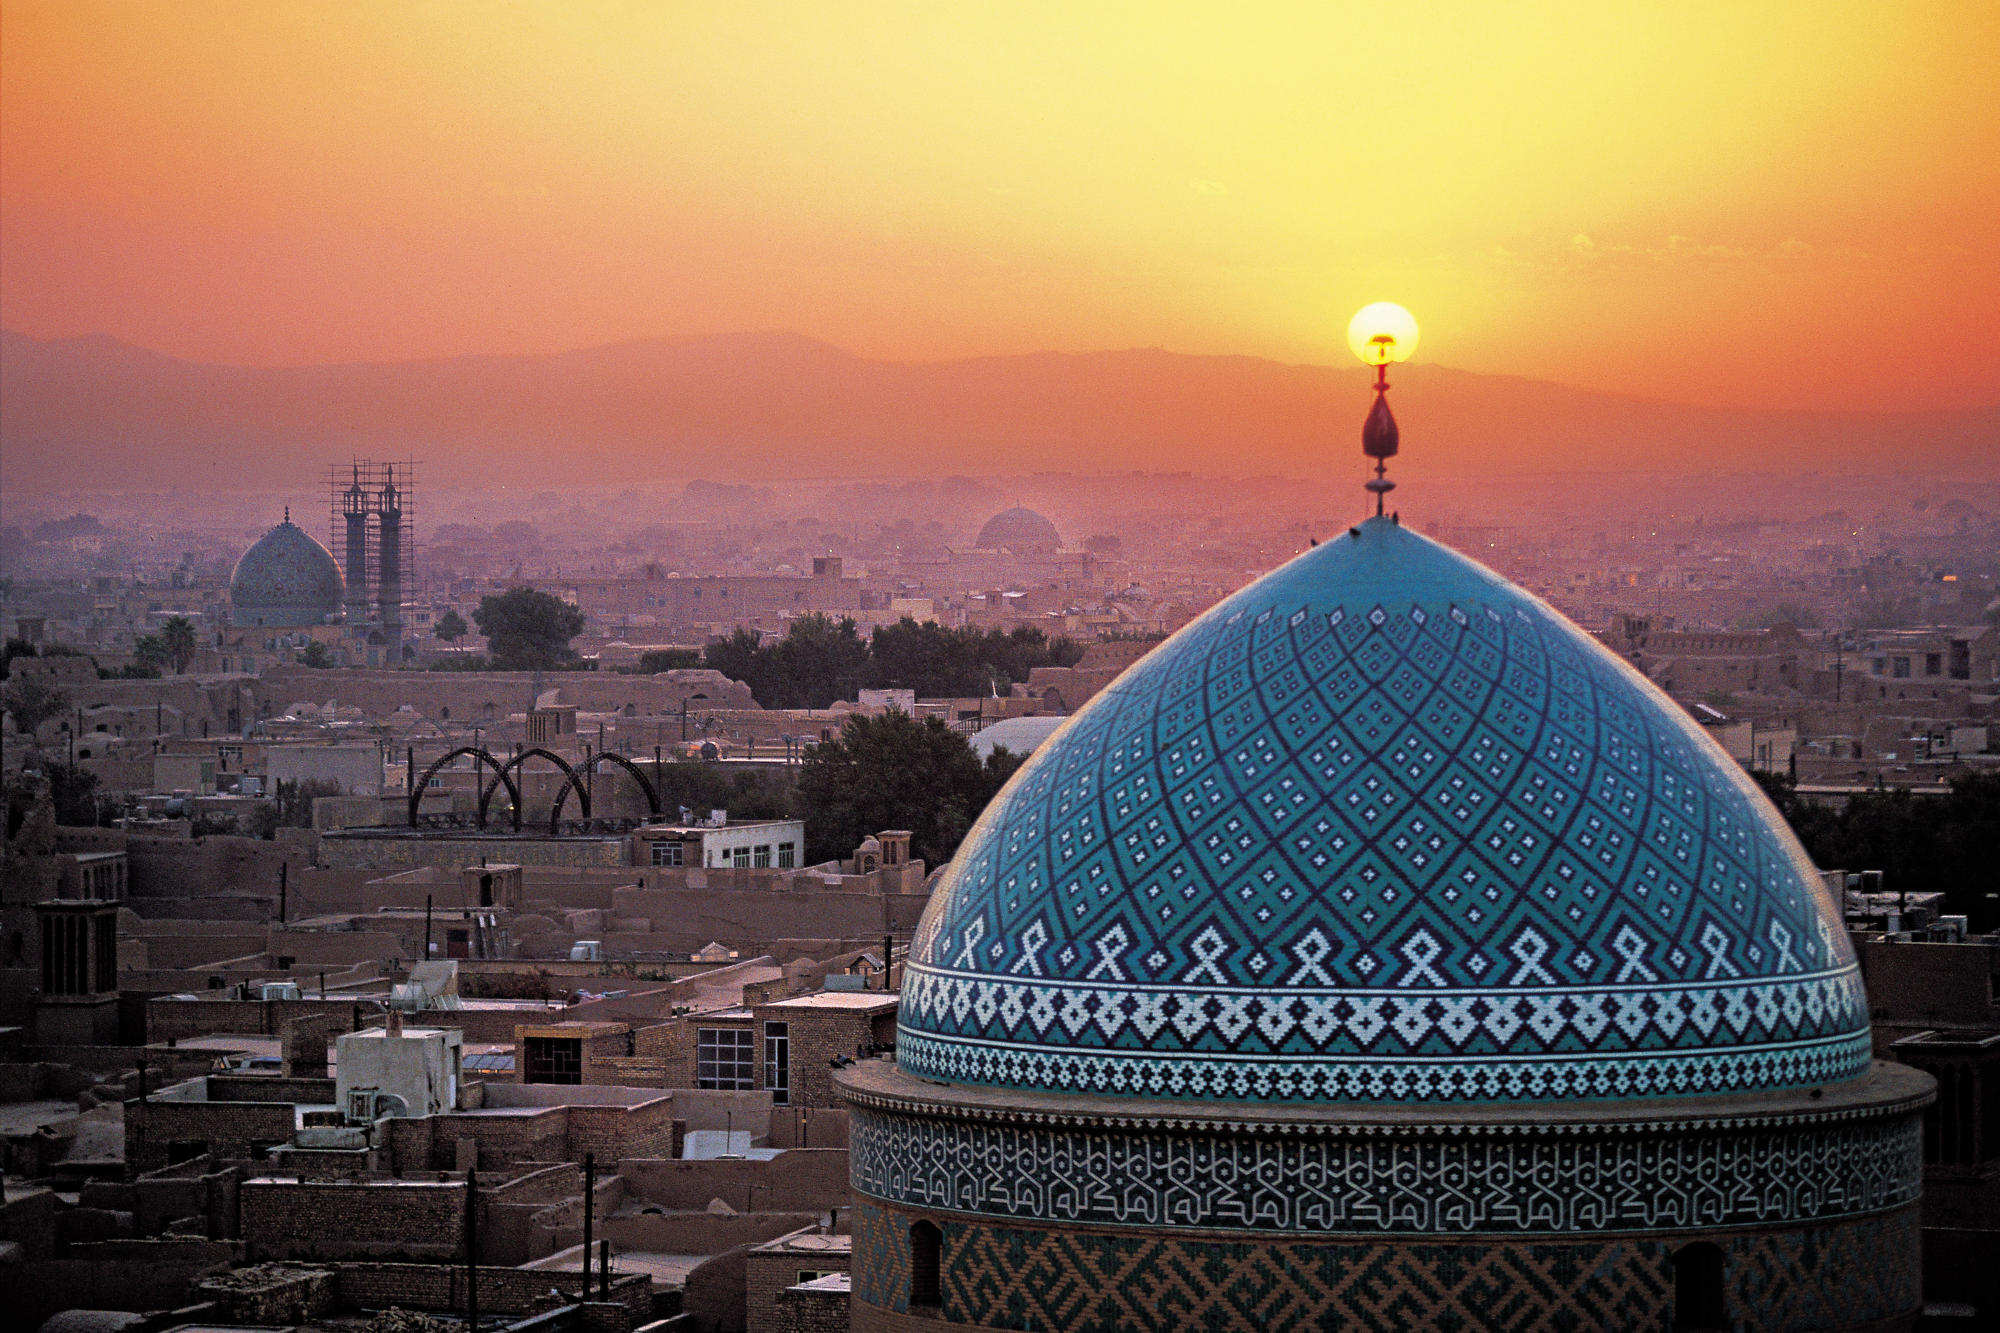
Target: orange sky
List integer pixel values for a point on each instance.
(1752, 204)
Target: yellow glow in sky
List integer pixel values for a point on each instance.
(1781, 204)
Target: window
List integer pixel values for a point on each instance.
(778, 1062)
(740, 858)
(1933, 664)
(815, 1274)
(761, 855)
(926, 1266)
(553, 1059)
(1699, 1304)
(788, 856)
(1899, 667)
(667, 852)
(185, 1150)
(723, 1059)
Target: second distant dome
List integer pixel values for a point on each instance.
(1021, 531)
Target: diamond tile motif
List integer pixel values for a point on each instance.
(1382, 827)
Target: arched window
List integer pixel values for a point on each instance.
(926, 1265)
(1699, 1304)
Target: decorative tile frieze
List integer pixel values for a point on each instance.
(1277, 1181)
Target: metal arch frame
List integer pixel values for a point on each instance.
(638, 775)
(480, 756)
(569, 773)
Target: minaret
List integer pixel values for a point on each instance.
(354, 508)
(389, 591)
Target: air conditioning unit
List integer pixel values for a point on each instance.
(587, 951)
(278, 990)
(367, 1105)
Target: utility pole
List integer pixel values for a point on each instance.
(589, 1208)
(284, 889)
(427, 928)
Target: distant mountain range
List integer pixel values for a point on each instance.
(93, 413)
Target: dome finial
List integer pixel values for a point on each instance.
(1378, 334)
(288, 513)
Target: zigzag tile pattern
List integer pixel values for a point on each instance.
(1382, 827)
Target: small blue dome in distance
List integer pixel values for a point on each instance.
(1382, 827)
(286, 580)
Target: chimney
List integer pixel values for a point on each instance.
(395, 1028)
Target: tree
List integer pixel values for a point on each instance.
(177, 637)
(71, 789)
(13, 649)
(669, 659)
(1925, 843)
(149, 654)
(31, 701)
(820, 659)
(315, 654)
(945, 663)
(895, 772)
(528, 630)
(451, 627)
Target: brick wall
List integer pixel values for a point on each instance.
(766, 1275)
(819, 1035)
(225, 1130)
(806, 1179)
(806, 1310)
(501, 1290)
(284, 1220)
(614, 1132)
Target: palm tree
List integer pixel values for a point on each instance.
(178, 638)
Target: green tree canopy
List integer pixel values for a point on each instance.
(893, 772)
(820, 659)
(315, 654)
(451, 626)
(177, 638)
(149, 653)
(14, 648)
(668, 659)
(31, 701)
(528, 630)
(1929, 843)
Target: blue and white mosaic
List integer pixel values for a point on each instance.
(1382, 827)
(1486, 1184)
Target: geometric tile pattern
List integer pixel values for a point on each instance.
(1521, 1182)
(1382, 827)
(1842, 1275)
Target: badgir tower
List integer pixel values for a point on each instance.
(1382, 952)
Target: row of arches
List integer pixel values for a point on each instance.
(503, 775)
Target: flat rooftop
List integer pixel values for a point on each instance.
(842, 999)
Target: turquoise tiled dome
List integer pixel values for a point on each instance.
(286, 580)
(1382, 827)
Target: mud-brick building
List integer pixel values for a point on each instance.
(1383, 952)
